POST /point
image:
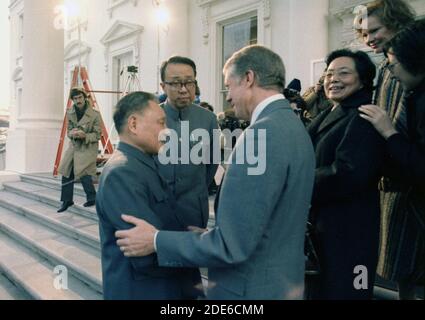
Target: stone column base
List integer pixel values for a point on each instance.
(31, 150)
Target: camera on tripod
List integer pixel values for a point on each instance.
(132, 69)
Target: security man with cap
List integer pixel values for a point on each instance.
(79, 160)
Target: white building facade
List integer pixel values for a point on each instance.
(110, 35)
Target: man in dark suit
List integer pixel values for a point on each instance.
(189, 181)
(256, 250)
(130, 183)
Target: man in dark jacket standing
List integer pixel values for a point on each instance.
(130, 183)
(189, 181)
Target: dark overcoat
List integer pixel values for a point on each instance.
(345, 205)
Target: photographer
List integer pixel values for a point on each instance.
(228, 120)
(297, 104)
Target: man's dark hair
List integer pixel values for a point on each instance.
(177, 60)
(409, 47)
(76, 92)
(130, 104)
(363, 64)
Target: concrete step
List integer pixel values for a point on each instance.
(51, 182)
(51, 197)
(8, 291)
(82, 261)
(75, 226)
(34, 277)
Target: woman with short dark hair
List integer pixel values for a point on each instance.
(345, 204)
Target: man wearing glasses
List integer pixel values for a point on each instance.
(188, 181)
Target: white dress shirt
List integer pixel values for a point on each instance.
(263, 104)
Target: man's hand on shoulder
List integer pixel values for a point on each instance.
(138, 241)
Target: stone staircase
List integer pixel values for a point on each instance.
(35, 239)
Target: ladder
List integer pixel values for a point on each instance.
(82, 73)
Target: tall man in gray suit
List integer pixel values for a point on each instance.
(256, 249)
(130, 182)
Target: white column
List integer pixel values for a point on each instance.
(33, 141)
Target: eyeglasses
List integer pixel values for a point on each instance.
(178, 85)
(391, 66)
(341, 74)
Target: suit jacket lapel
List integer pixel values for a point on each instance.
(87, 117)
(333, 116)
(313, 127)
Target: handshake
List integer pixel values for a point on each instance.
(77, 134)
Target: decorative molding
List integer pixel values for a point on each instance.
(76, 48)
(341, 8)
(73, 27)
(113, 4)
(136, 42)
(206, 20)
(120, 31)
(106, 56)
(14, 3)
(72, 52)
(19, 60)
(203, 3)
(263, 5)
(267, 13)
(205, 6)
(18, 74)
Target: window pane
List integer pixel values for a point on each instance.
(236, 36)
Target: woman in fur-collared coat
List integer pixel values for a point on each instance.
(345, 205)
